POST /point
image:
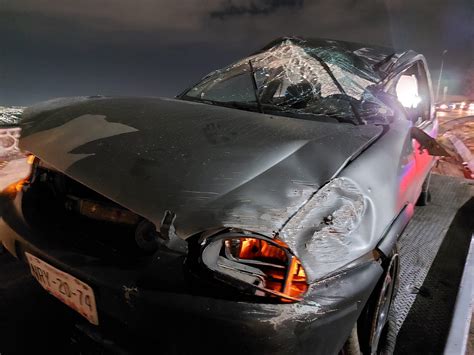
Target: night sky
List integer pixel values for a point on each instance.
(61, 48)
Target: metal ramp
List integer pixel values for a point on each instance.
(433, 251)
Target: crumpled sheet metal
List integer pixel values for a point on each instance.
(211, 166)
(327, 232)
(9, 132)
(9, 143)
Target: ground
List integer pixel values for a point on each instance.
(459, 124)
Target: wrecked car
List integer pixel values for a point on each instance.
(258, 211)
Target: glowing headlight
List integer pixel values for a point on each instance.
(257, 265)
(19, 181)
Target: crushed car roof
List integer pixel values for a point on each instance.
(372, 57)
(307, 77)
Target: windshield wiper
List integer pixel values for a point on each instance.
(339, 86)
(244, 105)
(255, 88)
(254, 106)
(270, 109)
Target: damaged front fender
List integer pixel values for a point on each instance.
(331, 229)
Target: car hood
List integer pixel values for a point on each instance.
(211, 166)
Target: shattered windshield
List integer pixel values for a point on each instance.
(290, 79)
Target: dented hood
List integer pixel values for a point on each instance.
(211, 166)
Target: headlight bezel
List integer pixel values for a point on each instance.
(293, 289)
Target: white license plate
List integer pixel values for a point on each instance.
(73, 292)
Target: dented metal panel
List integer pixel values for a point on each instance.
(211, 166)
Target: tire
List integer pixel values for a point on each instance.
(425, 195)
(390, 336)
(351, 346)
(375, 325)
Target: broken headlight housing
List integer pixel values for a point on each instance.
(255, 264)
(23, 178)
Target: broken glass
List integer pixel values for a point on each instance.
(293, 79)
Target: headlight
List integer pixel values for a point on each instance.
(256, 265)
(19, 181)
(332, 229)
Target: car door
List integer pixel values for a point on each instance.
(413, 90)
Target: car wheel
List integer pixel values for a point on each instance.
(386, 295)
(373, 326)
(425, 196)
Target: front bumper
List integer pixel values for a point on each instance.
(183, 322)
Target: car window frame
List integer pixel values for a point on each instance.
(423, 79)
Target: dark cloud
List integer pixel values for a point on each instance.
(196, 21)
(262, 7)
(56, 48)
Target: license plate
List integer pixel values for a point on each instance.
(73, 292)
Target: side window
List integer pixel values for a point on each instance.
(412, 90)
